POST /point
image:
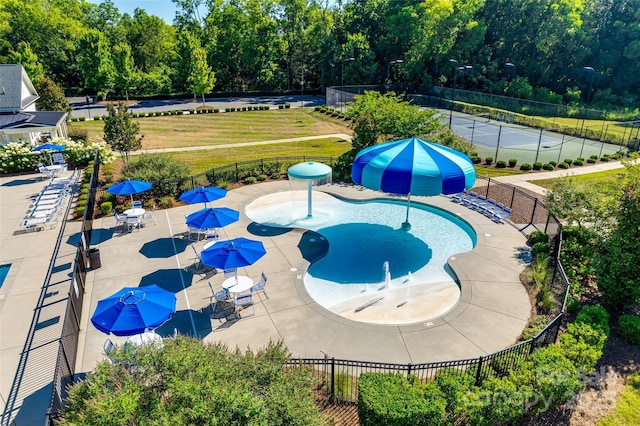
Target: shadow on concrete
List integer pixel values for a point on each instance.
(181, 323)
(98, 235)
(18, 182)
(163, 248)
(33, 408)
(266, 230)
(313, 246)
(168, 279)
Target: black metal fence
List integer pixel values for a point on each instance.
(339, 377)
(64, 374)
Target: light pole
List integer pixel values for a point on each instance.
(395, 61)
(342, 81)
(464, 68)
(592, 72)
(512, 67)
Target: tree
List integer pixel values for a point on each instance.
(52, 97)
(187, 44)
(24, 56)
(380, 118)
(187, 382)
(96, 63)
(202, 78)
(124, 67)
(121, 132)
(617, 265)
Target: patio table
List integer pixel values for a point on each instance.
(146, 338)
(237, 284)
(137, 212)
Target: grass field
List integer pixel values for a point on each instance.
(224, 128)
(609, 177)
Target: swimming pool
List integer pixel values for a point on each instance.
(363, 238)
(4, 271)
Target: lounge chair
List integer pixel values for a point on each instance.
(458, 197)
(504, 214)
(59, 159)
(108, 348)
(260, 285)
(487, 208)
(470, 199)
(478, 202)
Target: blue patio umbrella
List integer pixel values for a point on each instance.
(49, 147)
(203, 195)
(232, 254)
(132, 310)
(129, 187)
(413, 167)
(216, 217)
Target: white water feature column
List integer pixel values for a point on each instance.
(310, 171)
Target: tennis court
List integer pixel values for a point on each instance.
(503, 141)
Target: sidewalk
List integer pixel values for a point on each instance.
(524, 180)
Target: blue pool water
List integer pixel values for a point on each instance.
(4, 271)
(363, 236)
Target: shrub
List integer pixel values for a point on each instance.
(249, 180)
(629, 327)
(392, 399)
(563, 166)
(106, 207)
(548, 166)
(280, 106)
(476, 160)
(166, 202)
(537, 165)
(553, 163)
(275, 175)
(513, 162)
(261, 178)
(287, 106)
(80, 211)
(604, 158)
(537, 237)
(583, 345)
(578, 162)
(167, 174)
(556, 376)
(596, 316)
(488, 160)
(525, 167)
(534, 327)
(216, 110)
(594, 156)
(540, 248)
(501, 164)
(454, 384)
(568, 160)
(592, 160)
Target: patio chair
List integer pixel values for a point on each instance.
(230, 273)
(194, 231)
(260, 285)
(218, 296)
(136, 205)
(120, 220)
(58, 159)
(458, 197)
(197, 264)
(44, 173)
(108, 347)
(495, 213)
(150, 215)
(243, 301)
(133, 222)
(478, 202)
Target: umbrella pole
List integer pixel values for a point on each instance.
(309, 188)
(406, 225)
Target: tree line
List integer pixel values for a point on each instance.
(571, 51)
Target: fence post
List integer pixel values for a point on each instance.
(333, 378)
(478, 372)
(408, 369)
(539, 143)
(237, 175)
(533, 344)
(533, 212)
(557, 330)
(498, 143)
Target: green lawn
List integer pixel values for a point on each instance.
(224, 128)
(606, 178)
(627, 412)
(202, 160)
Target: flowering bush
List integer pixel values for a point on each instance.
(17, 156)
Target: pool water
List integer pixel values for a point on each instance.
(362, 236)
(4, 271)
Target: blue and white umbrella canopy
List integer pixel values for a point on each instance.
(216, 217)
(413, 167)
(132, 310)
(49, 146)
(203, 195)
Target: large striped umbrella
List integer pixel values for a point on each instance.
(413, 166)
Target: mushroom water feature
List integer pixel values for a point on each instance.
(413, 167)
(310, 171)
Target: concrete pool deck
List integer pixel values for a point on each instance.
(493, 309)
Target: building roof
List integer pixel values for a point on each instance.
(12, 97)
(31, 119)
